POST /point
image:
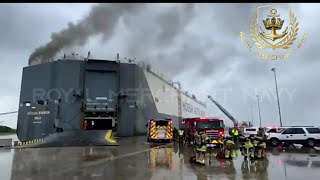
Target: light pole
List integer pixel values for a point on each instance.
(251, 115)
(259, 110)
(275, 80)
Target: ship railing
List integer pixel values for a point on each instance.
(73, 56)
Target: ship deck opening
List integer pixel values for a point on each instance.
(99, 124)
(99, 121)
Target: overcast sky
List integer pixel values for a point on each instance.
(198, 45)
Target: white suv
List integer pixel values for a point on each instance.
(305, 135)
(274, 130)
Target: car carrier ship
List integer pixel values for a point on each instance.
(74, 101)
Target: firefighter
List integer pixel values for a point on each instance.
(204, 137)
(261, 133)
(196, 145)
(197, 139)
(181, 136)
(235, 135)
(260, 138)
(202, 149)
(229, 146)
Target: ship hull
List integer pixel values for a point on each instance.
(61, 99)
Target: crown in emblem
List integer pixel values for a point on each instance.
(273, 22)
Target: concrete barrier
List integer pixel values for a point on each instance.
(5, 142)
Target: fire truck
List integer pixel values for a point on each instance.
(160, 130)
(214, 127)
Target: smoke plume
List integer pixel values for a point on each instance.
(160, 33)
(101, 19)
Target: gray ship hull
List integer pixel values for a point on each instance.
(63, 98)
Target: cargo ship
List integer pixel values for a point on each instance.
(74, 101)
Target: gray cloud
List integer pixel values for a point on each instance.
(159, 32)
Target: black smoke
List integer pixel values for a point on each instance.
(101, 19)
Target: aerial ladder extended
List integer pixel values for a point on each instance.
(235, 122)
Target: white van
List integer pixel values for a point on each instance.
(250, 131)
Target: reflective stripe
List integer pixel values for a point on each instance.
(180, 132)
(235, 132)
(169, 133)
(153, 131)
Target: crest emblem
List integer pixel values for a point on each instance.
(272, 30)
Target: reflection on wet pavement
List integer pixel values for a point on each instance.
(136, 160)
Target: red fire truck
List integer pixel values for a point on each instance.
(214, 127)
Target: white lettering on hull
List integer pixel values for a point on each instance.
(34, 113)
(187, 107)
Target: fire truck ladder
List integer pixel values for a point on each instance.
(235, 122)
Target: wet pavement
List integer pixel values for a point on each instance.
(134, 159)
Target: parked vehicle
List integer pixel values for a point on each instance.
(160, 130)
(213, 127)
(271, 130)
(250, 131)
(305, 135)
